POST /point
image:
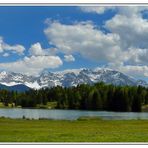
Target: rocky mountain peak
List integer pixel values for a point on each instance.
(68, 78)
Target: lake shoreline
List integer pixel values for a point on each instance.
(46, 108)
(82, 118)
(62, 114)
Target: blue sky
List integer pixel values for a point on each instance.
(34, 38)
(25, 25)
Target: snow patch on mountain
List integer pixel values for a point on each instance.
(75, 71)
(10, 84)
(33, 85)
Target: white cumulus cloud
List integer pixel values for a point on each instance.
(6, 54)
(69, 58)
(83, 38)
(33, 65)
(37, 50)
(132, 70)
(96, 9)
(13, 48)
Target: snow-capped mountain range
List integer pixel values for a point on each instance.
(69, 78)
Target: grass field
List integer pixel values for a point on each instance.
(92, 130)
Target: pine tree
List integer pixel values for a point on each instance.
(96, 101)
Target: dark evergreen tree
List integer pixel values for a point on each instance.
(96, 101)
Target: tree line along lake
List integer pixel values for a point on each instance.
(101, 100)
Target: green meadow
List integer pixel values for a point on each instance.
(82, 130)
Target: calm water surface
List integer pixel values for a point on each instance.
(69, 114)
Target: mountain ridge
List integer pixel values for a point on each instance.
(68, 78)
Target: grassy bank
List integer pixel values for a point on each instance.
(49, 105)
(84, 130)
